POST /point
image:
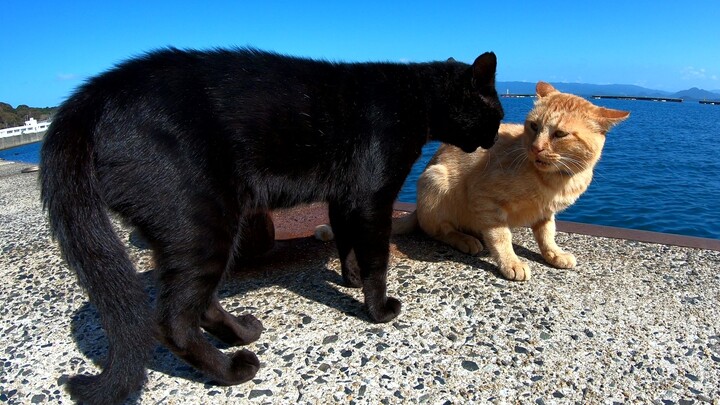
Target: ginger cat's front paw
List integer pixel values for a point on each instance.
(466, 243)
(560, 259)
(516, 270)
(324, 233)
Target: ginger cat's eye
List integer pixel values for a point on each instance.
(560, 134)
(534, 126)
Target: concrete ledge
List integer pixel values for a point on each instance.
(635, 322)
(618, 233)
(8, 142)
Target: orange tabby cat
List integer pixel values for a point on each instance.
(532, 172)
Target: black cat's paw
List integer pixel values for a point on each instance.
(352, 280)
(385, 313)
(230, 329)
(251, 328)
(244, 366)
(351, 272)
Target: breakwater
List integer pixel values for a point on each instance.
(12, 141)
(661, 99)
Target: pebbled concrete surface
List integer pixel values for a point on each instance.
(634, 323)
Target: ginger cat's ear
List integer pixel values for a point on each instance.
(607, 118)
(543, 89)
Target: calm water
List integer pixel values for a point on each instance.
(660, 169)
(29, 153)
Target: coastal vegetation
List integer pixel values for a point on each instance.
(14, 117)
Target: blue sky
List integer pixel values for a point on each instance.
(49, 47)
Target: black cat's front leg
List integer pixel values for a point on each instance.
(366, 233)
(373, 251)
(258, 234)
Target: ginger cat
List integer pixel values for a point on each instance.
(534, 171)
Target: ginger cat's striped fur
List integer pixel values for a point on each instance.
(534, 171)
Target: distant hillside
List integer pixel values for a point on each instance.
(15, 117)
(696, 94)
(584, 89)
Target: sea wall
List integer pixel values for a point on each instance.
(8, 142)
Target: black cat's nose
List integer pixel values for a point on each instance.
(489, 144)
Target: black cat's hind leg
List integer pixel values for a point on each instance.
(186, 301)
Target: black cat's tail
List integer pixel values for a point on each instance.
(80, 223)
(405, 224)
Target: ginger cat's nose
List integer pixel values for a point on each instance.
(536, 148)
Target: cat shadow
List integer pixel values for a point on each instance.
(312, 279)
(298, 265)
(421, 247)
(92, 342)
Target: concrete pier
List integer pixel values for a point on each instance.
(635, 322)
(8, 142)
(32, 131)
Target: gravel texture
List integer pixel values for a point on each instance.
(633, 323)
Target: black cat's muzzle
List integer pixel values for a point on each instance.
(485, 143)
(489, 143)
(470, 148)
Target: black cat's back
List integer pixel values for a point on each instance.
(192, 147)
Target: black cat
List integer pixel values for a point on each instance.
(188, 146)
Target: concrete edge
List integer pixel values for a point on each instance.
(619, 233)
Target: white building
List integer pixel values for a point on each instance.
(31, 127)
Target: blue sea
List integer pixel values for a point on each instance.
(660, 169)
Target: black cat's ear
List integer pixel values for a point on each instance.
(484, 70)
(543, 89)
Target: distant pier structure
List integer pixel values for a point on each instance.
(661, 99)
(32, 131)
(509, 95)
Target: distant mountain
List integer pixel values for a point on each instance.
(14, 117)
(585, 89)
(696, 94)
